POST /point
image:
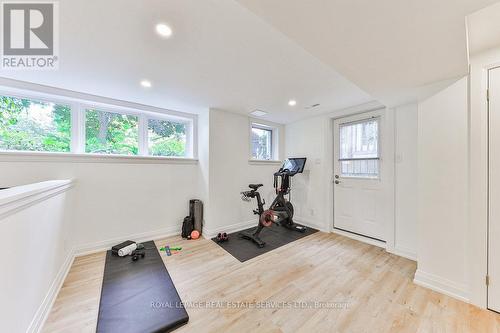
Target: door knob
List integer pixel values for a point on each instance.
(337, 182)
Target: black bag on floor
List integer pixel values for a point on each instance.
(187, 227)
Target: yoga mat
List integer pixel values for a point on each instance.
(139, 296)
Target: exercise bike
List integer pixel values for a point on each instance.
(281, 210)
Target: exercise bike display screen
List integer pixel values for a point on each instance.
(294, 165)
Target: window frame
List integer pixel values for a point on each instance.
(145, 137)
(44, 99)
(79, 105)
(274, 140)
(378, 119)
(82, 140)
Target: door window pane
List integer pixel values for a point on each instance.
(359, 140)
(166, 138)
(359, 168)
(111, 133)
(359, 153)
(262, 143)
(29, 125)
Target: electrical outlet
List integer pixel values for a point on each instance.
(311, 212)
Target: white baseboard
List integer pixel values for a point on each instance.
(210, 233)
(104, 245)
(310, 223)
(360, 238)
(44, 309)
(441, 285)
(403, 252)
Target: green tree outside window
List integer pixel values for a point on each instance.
(28, 125)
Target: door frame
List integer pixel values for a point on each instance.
(488, 194)
(478, 176)
(387, 133)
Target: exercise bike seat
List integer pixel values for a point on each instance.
(255, 186)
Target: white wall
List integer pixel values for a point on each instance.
(231, 172)
(204, 160)
(443, 191)
(478, 174)
(114, 201)
(406, 179)
(313, 191)
(308, 138)
(36, 249)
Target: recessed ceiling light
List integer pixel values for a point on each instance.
(258, 113)
(292, 102)
(146, 84)
(163, 30)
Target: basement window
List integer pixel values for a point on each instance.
(37, 122)
(262, 137)
(34, 125)
(111, 133)
(167, 138)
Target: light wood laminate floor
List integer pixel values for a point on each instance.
(373, 290)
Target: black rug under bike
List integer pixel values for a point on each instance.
(139, 296)
(274, 236)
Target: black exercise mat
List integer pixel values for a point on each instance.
(139, 296)
(274, 236)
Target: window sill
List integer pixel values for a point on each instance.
(19, 197)
(23, 156)
(272, 162)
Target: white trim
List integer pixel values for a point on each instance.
(28, 156)
(17, 198)
(403, 252)
(441, 285)
(360, 238)
(43, 311)
(143, 139)
(386, 171)
(80, 131)
(399, 251)
(310, 223)
(104, 245)
(275, 138)
(210, 233)
(477, 237)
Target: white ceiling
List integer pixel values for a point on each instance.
(397, 50)
(221, 55)
(241, 55)
(484, 29)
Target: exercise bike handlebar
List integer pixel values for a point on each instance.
(286, 172)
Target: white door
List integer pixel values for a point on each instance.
(494, 195)
(358, 185)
